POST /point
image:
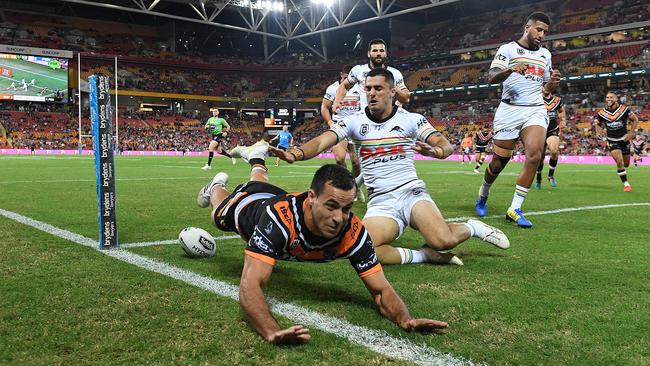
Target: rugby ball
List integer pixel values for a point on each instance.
(197, 243)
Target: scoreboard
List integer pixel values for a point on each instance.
(277, 117)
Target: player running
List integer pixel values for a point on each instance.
(314, 226)
(555, 113)
(638, 149)
(285, 141)
(350, 104)
(615, 116)
(388, 138)
(219, 128)
(466, 148)
(482, 138)
(524, 68)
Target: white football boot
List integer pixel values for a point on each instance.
(203, 199)
(489, 234)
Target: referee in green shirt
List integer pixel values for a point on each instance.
(218, 128)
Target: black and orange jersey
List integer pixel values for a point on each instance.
(615, 121)
(272, 221)
(553, 105)
(481, 139)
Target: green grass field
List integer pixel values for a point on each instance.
(575, 289)
(43, 75)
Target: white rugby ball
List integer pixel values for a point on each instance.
(197, 243)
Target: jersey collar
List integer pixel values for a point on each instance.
(370, 117)
(526, 48)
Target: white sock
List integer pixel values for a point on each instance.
(484, 191)
(411, 256)
(519, 197)
(472, 230)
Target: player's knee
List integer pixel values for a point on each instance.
(443, 243)
(534, 157)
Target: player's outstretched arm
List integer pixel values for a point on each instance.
(310, 149)
(392, 307)
(437, 146)
(255, 274)
(325, 111)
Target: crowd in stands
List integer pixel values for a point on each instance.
(43, 126)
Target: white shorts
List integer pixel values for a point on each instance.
(466, 150)
(398, 204)
(509, 120)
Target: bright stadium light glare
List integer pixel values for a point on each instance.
(278, 6)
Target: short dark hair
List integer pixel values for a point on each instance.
(336, 175)
(539, 16)
(346, 68)
(380, 71)
(375, 41)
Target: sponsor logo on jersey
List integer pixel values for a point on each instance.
(397, 129)
(519, 51)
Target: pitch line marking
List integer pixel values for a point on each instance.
(375, 340)
(170, 241)
(559, 210)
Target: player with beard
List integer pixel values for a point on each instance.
(524, 68)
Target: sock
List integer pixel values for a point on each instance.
(359, 180)
(623, 175)
(484, 191)
(551, 167)
(538, 176)
(411, 256)
(255, 163)
(472, 229)
(519, 197)
(224, 153)
(210, 156)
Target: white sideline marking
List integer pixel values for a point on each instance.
(375, 340)
(170, 241)
(560, 210)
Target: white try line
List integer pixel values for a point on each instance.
(375, 340)
(559, 210)
(170, 241)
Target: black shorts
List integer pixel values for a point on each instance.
(622, 145)
(283, 148)
(638, 152)
(480, 149)
(553, 132)
(240, 211)
(217, 138)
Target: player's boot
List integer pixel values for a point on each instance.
(481, 206)
(360, 196)
(258, 150)
(552, 182)
(206, 167)
(234, 160)
(489, 234)
(627, 187)
(203, 199)
(476, 171)
(518, 217)
(538, 185)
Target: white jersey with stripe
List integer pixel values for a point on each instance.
(358, 76)
(523, 90)
(350, 104)
(385, 147)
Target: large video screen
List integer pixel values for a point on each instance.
(33, 78)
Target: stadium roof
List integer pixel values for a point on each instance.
(282, 20)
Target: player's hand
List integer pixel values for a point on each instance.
(426, 149)
(224, 134)
(336, 106)
(330, 123)
(283, 155)
(424, 325)
(296, 334)
(628, 137)
(555, 76)
(520, 68)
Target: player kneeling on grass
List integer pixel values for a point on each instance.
(314, 226)
(388, 138)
